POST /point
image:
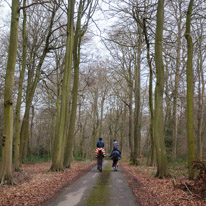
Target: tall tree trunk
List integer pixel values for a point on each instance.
(116, 123)
(110, 138)
(149, 61)
(76, 58)
(137, 113)
(59, 69)
(6, 158)
(94, 122)
(101, 115)
(80, 136)
(95, 119)
(124, 113)
(201, 98)
(30, 142)
(57, 160)
(24, 133)
(175, 117)
(167, 118)
(18, 104)
(58, 108)
(162, 170)
(130, 123)
(190, 91)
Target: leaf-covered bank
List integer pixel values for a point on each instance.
(152, 191)
(36, 185)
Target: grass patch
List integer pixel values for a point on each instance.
(82, 162)
(100, 193)
(35, 159)
(79, 159)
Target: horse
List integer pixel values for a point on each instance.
(99, 160)
(115, 160)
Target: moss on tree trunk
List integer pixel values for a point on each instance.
(162, 170)
(6, 160)
(76, 57)
(190, 91)
(57, 160)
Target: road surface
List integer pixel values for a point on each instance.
(108, 188)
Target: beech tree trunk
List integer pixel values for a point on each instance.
(149, 61)
(95, 119)
(6, 158)
(201, 99)
(131, 144)
(101, 115)
(76, 58)
(137, 113)
(162, 170)
(57, 160)
(123, 119)
(19, 98)
(58, 107)
(190, 91)
(175, 116)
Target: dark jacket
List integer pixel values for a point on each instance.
(100, 144)
(115, 146)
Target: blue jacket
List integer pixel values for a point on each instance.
(100, 144)
(115, 152)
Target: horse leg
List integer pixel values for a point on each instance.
(97, 162)
(100, 164)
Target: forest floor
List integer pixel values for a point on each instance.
(36, 185)
(151, 191)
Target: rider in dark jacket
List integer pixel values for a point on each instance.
(100, 143)
(115, 149)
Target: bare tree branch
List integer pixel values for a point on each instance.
(36, 3)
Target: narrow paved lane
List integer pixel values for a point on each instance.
(108, 188)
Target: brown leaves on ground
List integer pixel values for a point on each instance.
(35, 184)
(151, 191)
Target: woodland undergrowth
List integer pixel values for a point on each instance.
(176, 190)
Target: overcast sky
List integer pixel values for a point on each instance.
(96, 47)
(5, 13)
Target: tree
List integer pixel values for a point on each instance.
(162, 170)
(201, 92)
(190, 118)
(79, 33)
(142, 22)
(31, 85)
(57, 160)
(76, 57)
(177, 77)
(6, 160)
(137, 113)
(19, 99)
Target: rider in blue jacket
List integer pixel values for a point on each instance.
(100, 143)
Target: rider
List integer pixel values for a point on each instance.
(100, 146)
(115, 145)
(115, 148)
(100, 143)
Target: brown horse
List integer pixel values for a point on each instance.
(115, 160)
(99, 160)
